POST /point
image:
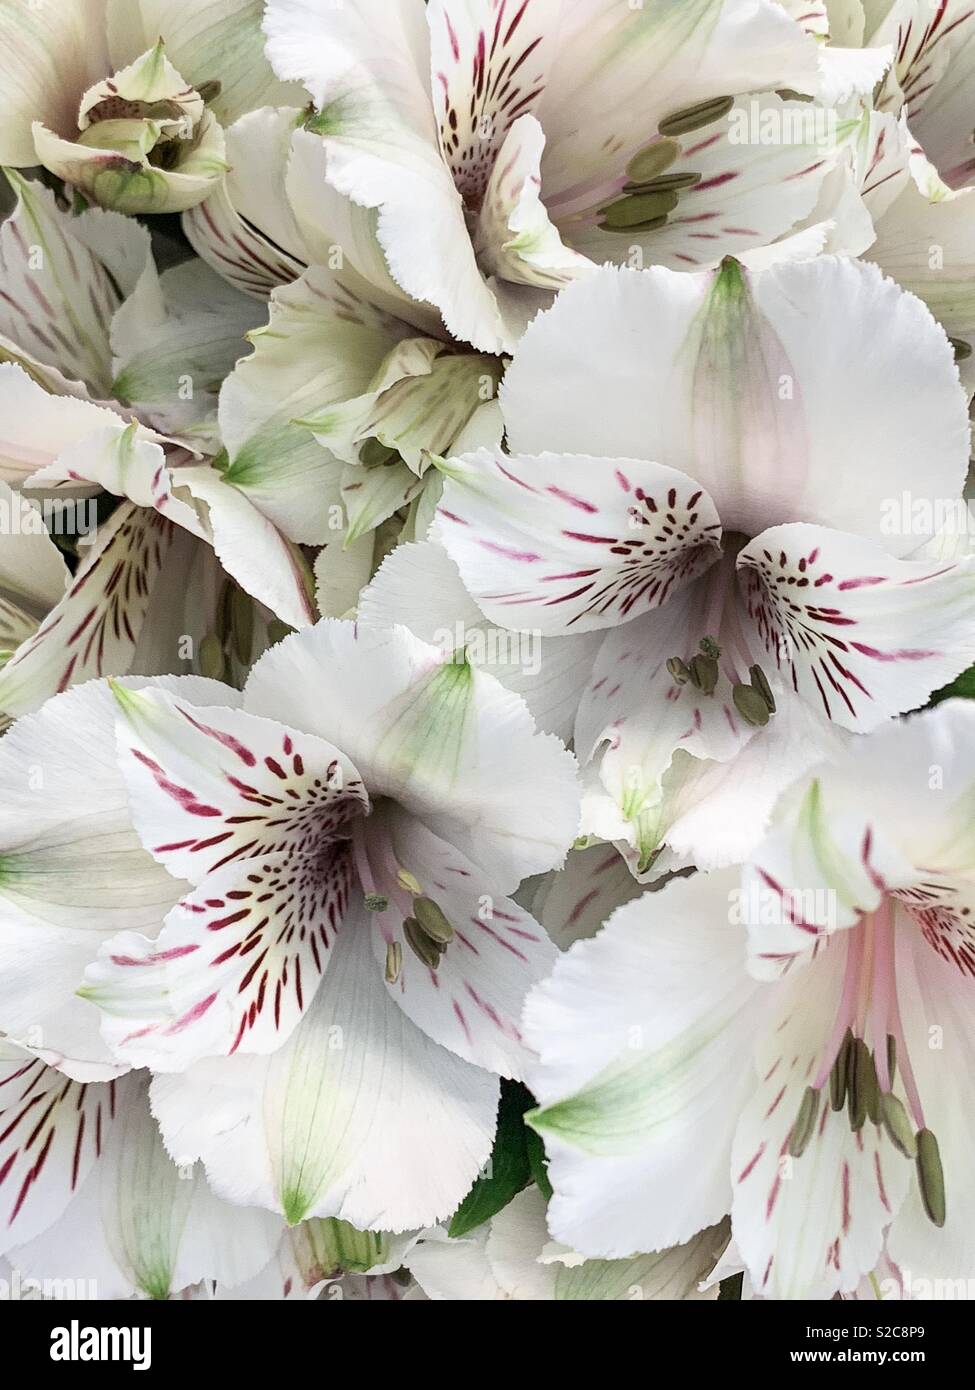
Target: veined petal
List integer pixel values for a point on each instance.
(443, 739)
(855, 633)
(37, 427)
(594, 541)
(214, 787)
(384, 149)
(235, 966)
(574, 903)
(94, 630)
(650, 62)
(246, 230)
(645, 1037)
(53, 1133)
(63, 278)
(759, 171)
(359, 1115)
(934, 996)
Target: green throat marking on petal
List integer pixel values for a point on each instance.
(621, 1107)
(429, 731)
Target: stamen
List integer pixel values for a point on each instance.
(930, 1176)
(899, 1129)
(760, 682)
(750, 705)
(376, 902)
(839, 1076)
(394, 961)
(805, 1122)
(409, 882)
(652, 160)
(666, 182)
(636, 208)
(678, 670)
(432, 921)
(696, 117)
(420, 944)
(704, 673)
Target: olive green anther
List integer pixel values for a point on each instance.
(652, 160)
(422, 946)
(432, 921)
(930, 1176)
(678, 669)
(676, 183)
(750, 705)
(635, 208)
(760, 683)
(704, 673)
(696, 117)
(805, 1122)
(899, 1129)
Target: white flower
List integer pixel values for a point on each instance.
(818, 1094)
(508, 148)
(756, 601)
(333, 854)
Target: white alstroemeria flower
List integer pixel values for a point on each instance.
(91, 1202)
(333, 853)
(540, 139)
(123, 100)
(513, 1257)
(819, 1093)
(81, 411)
(754, 602)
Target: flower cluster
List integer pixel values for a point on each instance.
(487, 612)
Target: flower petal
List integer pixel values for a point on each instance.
(857, 634)
(359, 1115)
(214, 787)
(645, 1036)
(596, 541)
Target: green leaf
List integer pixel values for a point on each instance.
(509, 1169)
(961, 688)
(538, 1163)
